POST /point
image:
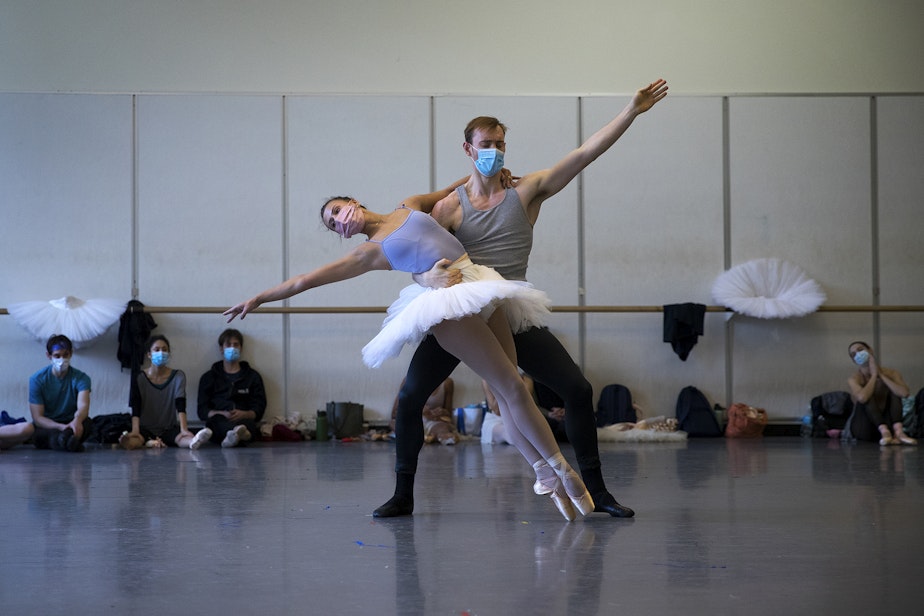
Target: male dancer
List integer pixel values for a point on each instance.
(495, 226)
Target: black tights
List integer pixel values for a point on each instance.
(542, 357)
(867, 418)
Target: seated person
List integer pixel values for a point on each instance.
(551, 405)
(14, 431)
(877, 394)
(438, 420)
(59, 399)
(158, 401)
(232, 398)
(492, 427)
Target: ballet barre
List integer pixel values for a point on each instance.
(575, 309)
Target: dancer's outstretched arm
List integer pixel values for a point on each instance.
(364, 258)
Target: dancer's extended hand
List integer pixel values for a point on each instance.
(646, 98)
(241, 309)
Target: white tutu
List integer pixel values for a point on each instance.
(768, 289)
(83, 321)
(419, 308)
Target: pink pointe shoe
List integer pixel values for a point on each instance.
(573, 486)
(547, 482)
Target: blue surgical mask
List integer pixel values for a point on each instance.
(160, 358)
(232, 353)
(861, 358)
(489, 161)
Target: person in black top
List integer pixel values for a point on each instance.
(232, 398)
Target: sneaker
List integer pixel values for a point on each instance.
(201, 437)
(73, 443)
(59, 441)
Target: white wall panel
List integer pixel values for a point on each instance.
(66, 195)
(900, 130)
(653, 204)
(209, 198)
(210, 210)
(376, 150)
(66, 202)
(781, 364)
(800, 188)
(629, 349)
(653, 230)
(901, 199)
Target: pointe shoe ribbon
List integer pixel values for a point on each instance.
(578, 494)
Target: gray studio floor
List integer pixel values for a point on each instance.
(780, 525)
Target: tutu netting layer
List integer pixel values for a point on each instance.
(768, 289)
(83, 321)
(418, 308)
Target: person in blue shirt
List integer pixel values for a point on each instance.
(59, 399)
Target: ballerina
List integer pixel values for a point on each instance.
(474, 320)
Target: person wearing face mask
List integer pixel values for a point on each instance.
(232, 398)
(877, 394)
(59, 399)
(473, 319)
(495, 225)
(158, 401)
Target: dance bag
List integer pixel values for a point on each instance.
(745, 421)
(345, 419)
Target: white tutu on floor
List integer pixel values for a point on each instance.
(419, 308)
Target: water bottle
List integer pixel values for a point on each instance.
(806, 429)
(320, 426)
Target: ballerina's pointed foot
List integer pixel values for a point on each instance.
(563, 502)
(546, 479)
(575, 489)
(548, 482)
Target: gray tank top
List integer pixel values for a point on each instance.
(501, 237)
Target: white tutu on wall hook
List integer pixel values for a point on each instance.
(83, 321)
(768, 289)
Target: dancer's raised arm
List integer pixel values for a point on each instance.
(364, 258)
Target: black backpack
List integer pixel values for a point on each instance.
(695, 415)
(914, 422)
(106, 429)
(615, 406)
(830, 411)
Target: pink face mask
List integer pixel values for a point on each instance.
(349, 220)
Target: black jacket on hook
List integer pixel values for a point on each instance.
(683, 324)
(135, 326)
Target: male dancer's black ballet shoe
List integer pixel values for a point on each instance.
(605, 503)
(396, 506)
